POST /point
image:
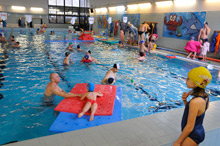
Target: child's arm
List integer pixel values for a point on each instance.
(83, 97)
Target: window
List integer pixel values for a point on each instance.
(62, 11)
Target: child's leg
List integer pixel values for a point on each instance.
(93, 110)
(189, 55)
(85, 109)
(194, 56)
(205, 57)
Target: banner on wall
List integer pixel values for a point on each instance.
(91, 20)
(3, 16)
(102, 21)
(109, 20)
(183, 25)
(132, 18)
(28, 18)
(125, 19)
(73, 20)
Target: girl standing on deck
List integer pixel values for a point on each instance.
(192, 121)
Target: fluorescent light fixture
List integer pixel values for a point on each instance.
(103, 9)
(134, 6)
(120, 8)
(164, 3)
(36, 9)
(112, 8)
(145, 5)
(18, 7)
(184, 2)
(98, 10)
(212, 1)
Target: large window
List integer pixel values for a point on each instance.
(62, 11)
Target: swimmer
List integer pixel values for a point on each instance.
(120, 44)
(70, 47)
(16, 45)
(86, 59)
(141, 57)
(92, 58)
(110, 76)
(192, 121)
(78, 49)
(53, 89)
(142, 47)
(91, 101)
(66, 59)
(38, 31)
(2, 38)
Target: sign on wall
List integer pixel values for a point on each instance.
(91, 20)
(3, 16)
(183, 25)
(125, 19)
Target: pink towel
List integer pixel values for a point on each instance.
(193, 46)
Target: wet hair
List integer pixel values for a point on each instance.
(198, 92)
(38, 29)
(89, 51)
(12, 36)
(110, 80)
(67, 54)
(18, 43)
(141, 54)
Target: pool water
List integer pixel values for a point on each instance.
(148, 87)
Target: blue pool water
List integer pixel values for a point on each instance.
(25, 74)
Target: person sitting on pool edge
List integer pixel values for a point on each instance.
(66, 59)
(91, 101)
(110, 76)
(70, 47)
(53, 89)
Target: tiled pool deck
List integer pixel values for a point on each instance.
(160, 129)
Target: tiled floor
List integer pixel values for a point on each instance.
(154, 130)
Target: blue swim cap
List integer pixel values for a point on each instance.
(0, 34)
(119, 42)
(78, 46)
(90, 87)
(86, 57)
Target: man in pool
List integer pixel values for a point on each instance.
(53, 89)
(110, 76)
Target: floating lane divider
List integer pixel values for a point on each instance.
(171, 56)
(50, 41)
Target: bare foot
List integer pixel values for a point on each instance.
(187, 57)
(80, 115)
(91, 118)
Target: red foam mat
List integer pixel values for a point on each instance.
(75, 105)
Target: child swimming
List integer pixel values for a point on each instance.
(91, 101)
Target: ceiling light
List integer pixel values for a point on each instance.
(18, 7)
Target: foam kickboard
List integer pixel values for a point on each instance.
(75, 105)
(68, 121)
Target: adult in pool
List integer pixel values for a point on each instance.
(110, 76)
(192, 129)
(53, 89)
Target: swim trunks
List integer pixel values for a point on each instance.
(91, 101)
(140, 32)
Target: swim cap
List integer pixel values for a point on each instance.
(200, 76)
(141, 54)
(142, 42)
(0, 34)
(116, 65)
(110, 80)
(90, 87)
(78, 46)
(89, 51)
(70, 43)
(86, 57)
(67, 54)
(119, 42)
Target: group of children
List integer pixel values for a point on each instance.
(11, 42)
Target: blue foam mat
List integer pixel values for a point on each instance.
(68, 121)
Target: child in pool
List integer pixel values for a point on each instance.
(192, 129)
(66, 59)
(91, 101)
(205, 49)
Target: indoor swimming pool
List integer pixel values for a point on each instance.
(155, 85)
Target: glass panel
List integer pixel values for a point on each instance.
(60, 2)
(68, 19)
(60, 10)
(52, 2)
(60, 19)
(87, 5)
(52, 19)
(82, 3)
(75, 11)
(52, 10)
(69, 3)
(68, 11)
(75, 3)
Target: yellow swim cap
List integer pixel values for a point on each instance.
(200, 76)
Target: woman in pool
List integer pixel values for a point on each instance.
(192, 129)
